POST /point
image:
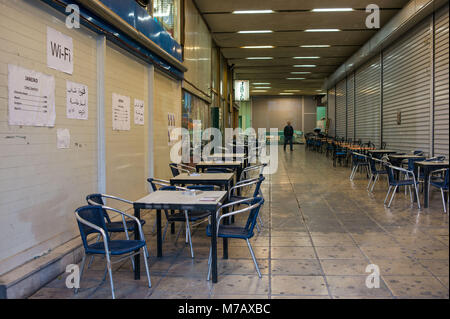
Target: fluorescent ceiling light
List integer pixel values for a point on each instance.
(332, 10)
(252, 11)
(260, 83)
(295, 78)
(305, 66)
(291, 90)
(300, 72)
(262, 87)
(256, 31)
(306, 57)
(258, 47)
(260, 58)
(316, 46)
(258, 91)
(286, 93)
(322, 30)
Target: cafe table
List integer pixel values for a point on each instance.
(180, 200)
(235, 157)
(427, 167)
(380, 153)
(236, 166)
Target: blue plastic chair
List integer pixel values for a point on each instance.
(91, 220)
(441, 183)
(409, 181)
(375, 172)
(359, 160)
(237, 232)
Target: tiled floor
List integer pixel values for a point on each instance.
(320, 233)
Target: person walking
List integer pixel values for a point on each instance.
(288, 135)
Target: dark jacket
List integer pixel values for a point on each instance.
(288, 131)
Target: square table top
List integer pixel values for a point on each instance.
(226, 155)
(182, 200)
(432, 163)
(203, 177)
(405, 156)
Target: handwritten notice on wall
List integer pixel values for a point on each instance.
(59, 51)
(31, 97)
(139, 112)
(77, 101)
(120, 112)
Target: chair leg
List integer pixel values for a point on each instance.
(165, 231)
(417, 195)
(253, 257)
(154, 227)
(83, 261)
(179, 233)
(393, 195)
(144, 250)
(410, 195)
(387, 195)
(188, 232)
(443, 201)
(374, 182)
(260, 220)
(108, 262)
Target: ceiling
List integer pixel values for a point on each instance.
(288, 23)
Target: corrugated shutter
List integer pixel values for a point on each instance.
(331, 111)
(407, 67)
(367, 104)
(351, 106)
(441, 118)
(341, 112)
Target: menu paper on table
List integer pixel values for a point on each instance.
(77, 101)
(31, 97)
(120, 112)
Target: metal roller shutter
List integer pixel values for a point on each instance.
(367, 103)
(331, 110)
(341, 112)
(407, 69)
(441, 118)
(351, 106)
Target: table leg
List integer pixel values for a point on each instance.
(137, 257)
(172, 225)
(226, 221)
(214, 247)
(158, 233)
(426, 177)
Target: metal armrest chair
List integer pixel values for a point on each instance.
(375, 172)
(441, 182)
(91, 220)
(399, 183)
(238, 232)
(123, 226)
(359, 160)
(249, 169)
(178, 168)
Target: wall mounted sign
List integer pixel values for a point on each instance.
(120, 112)
(139, 112)
(59, 51)
(76, 101)
(31, 97)
(241, 90)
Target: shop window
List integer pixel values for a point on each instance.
(167, 13)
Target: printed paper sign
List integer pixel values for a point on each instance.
(59, 51)
(138, 112)
(31, 97)
(77, 101)
(120, 112)
(63, 138)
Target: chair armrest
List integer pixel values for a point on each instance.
(138, 222)
(100, 230)
(441, 170)
(117, 198)
(240, 211)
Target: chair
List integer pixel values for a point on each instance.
(375, 171)
(238, 232)
(178, 168)
(383, 145)
(254, 182)
(250, 169)
(91, 220)
(393, 182)
(339, 153)
(441, 183)
(123, 226)
(359, 160)
(185, 216)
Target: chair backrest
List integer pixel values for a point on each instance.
(383, 145)
(174, 169)
(411, 162)
(97, 199)
(155, 183)
(253, 215)
(418, 152)
(93, 215)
